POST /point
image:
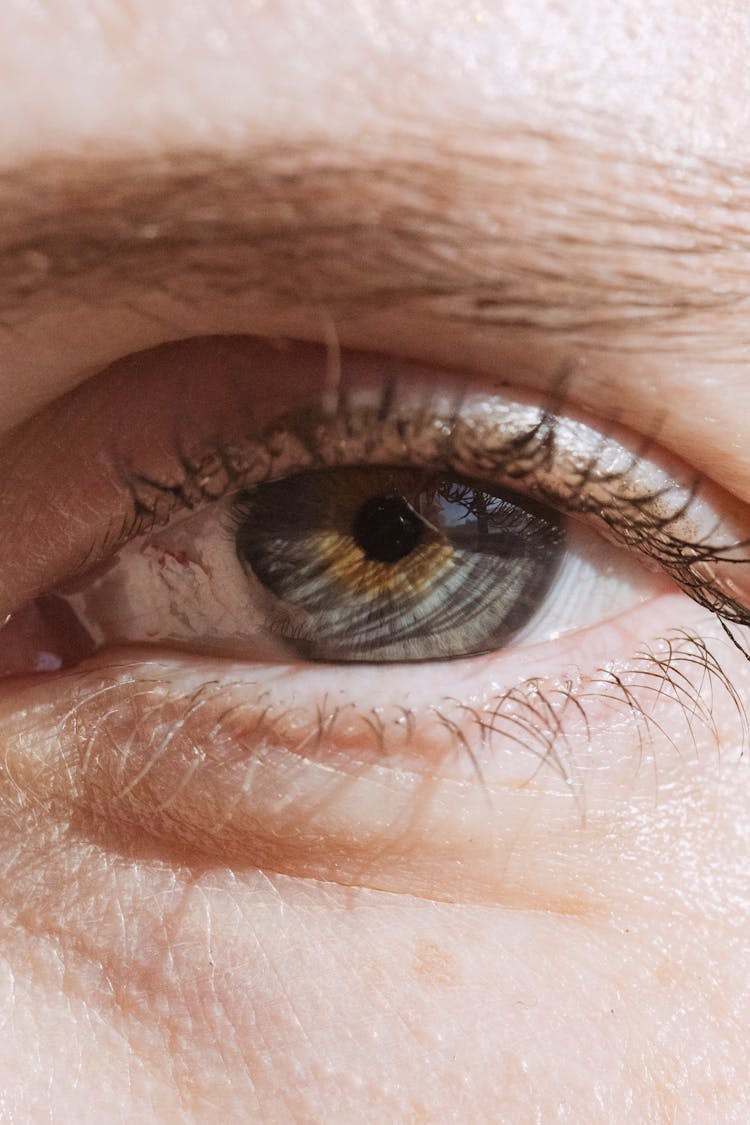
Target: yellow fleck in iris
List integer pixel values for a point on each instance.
(345, 561)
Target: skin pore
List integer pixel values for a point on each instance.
(529, 195)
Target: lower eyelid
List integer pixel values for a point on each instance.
(291, 772)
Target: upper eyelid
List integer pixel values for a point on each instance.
(243, 401)
(412, 246)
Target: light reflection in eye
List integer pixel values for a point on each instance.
(276, 573)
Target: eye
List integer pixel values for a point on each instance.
(288, 616)
(370, 565)
(414, 521)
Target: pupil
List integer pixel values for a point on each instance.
(387, 529)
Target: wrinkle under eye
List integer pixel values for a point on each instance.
(386, 564)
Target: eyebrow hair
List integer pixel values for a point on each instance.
(514, 229)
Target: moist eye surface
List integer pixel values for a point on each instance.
(390, 564)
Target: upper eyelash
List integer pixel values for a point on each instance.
(318, 437)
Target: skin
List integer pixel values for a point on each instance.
(543, 967)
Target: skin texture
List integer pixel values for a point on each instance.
(523, 192)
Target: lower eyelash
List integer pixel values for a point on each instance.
(522, 731)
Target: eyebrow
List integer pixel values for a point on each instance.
(513, 229)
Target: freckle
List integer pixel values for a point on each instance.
(419, 1115)
(575, 906)
(433, 962)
